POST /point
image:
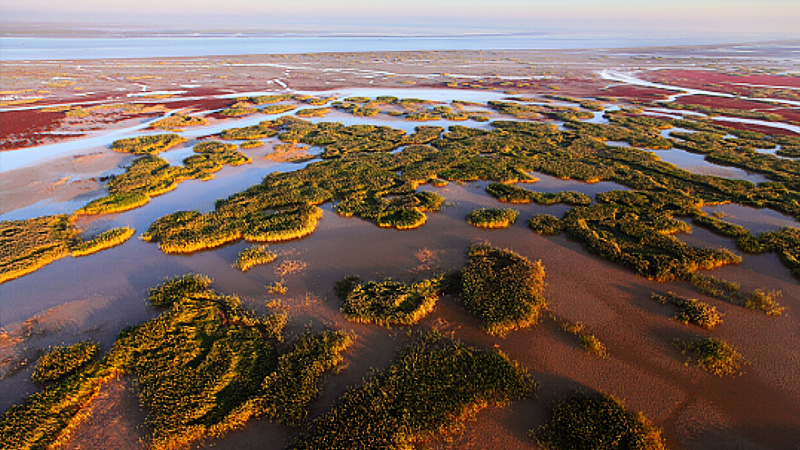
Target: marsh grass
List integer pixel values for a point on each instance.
(387, 302)
(588, 341)
(503, 289)
(545, 224)
(691, 311)
(251, 144)
(492, 217)
(178, 121)
(63, 361)
(312, 112)
(731, 292)
(147, 145)
(431, 388)
(713, 355)
(513, 194)
(27, 245)
(596, 421)
(253, 256)
(108, 239)
(204, 366)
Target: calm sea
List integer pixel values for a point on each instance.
(50, 48)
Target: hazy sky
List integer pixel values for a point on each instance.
(770, 18)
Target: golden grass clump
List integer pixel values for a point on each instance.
(431, 388)
(502, 288)
(204, 367)
(492, 217)
(108, 239)
(253, 256)
(147, 145)
(596, 421)
(387, 302)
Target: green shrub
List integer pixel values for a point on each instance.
(596, 422)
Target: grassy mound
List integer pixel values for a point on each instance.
(108, 239)
(430, 388)
(147, 145)
(492, 217)
(596, 422)
(387, 302)
(502, 288)
(253, 256)
(545, 224)
(178, 121)
(27, 245)
(62, 361)
(513, 194)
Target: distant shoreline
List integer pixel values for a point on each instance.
(43, 48)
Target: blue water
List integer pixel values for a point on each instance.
(50, 48)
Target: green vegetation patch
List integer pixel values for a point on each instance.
(759, 300)
(204, 367)
(64, 360)
(432, 387)
(545, 224)
(387, 302)
(313, 112)
(596, 421)
(713, 355)
(188, 231)
(492, 217)
(108, 239)
(147, 145)
(178, 121)
(27, 245)
(634, 229)
(691, 311)
(150, 176)
(253, 256)
(785, 242)
(251, 144)
(502, 288)
(513, 194)
(276, 109)
(262, 130)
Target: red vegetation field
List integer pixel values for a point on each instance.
(22, 128)
(751, 127)
(758, 86)
(790, 114)
(699, 78)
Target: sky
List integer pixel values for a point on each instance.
(746, 18)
